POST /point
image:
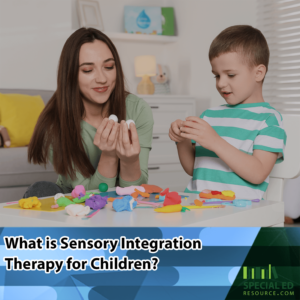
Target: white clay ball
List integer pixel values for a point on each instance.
(113, 117)
(57, 196)
(128, 122)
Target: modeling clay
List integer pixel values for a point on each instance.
(172, 199)
(31, 202)
(137, 193)
(169, 208)
(218, 201)
(127, 203)
(128, 122)
(216, 195)
(113, 117)
(239, 203)
(206, 191)
(184, 209)
(161, 198)
(228, 193)
(103, 187)
(128, 190)
(150, 189)
(164, 192)
(149, 203)
(62, 202)
(90, 214)
(57, 196)
(82, 198)
(77, 190)
(203, 206)
(55, 206)
(75, 210)
(111, 199)
(198, 202)
(157, 197)
(96, 202)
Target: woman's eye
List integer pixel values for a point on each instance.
(109, 68)
(231, 75)
(216, 76)
(85, 71)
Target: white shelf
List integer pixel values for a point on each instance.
(122, 36)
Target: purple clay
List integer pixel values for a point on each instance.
(96, 202)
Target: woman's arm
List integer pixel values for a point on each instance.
(134, 146)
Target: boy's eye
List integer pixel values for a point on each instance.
(231, 75)
(216, 76)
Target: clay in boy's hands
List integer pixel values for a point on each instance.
(175, 133)
(200, 131)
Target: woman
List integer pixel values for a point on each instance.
(74, 132)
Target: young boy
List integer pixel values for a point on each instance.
(238, 143)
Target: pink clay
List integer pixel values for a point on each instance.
(55, 206)
(77, 190)
(129, 190)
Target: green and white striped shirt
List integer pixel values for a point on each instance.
(246, 127)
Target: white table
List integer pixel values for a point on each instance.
(262, 214)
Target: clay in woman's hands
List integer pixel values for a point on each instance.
(113, 117)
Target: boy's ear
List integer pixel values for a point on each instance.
(260, 73)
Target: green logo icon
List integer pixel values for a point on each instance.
(259, 273)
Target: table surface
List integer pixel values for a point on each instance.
(262, 214)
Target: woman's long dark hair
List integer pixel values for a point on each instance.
(58, 126)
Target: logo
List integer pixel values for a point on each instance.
(265, 282)
(259, 273)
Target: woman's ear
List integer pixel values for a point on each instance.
(260, 73)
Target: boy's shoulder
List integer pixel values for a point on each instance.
(261, 111)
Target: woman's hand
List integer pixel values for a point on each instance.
(175, 133)
(106, 137)
(200, 131)
(128, 145)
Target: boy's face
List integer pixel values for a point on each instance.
(235, 79)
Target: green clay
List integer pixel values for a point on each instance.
(63, 202)
(82, 199)
(184, 209)
(103, 187)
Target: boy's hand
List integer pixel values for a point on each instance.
(175, 133)
(200, 131)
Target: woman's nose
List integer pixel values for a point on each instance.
(100, 77)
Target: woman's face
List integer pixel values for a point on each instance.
(97, 71)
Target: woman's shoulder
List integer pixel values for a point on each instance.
(138, 109)
(136, 103)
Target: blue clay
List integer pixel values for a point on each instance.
(127, 203)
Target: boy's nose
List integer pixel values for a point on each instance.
(222, 83)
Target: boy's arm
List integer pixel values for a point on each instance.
(253, 168)
(186, 153)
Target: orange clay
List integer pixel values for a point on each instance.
(145, 195)
(157, 197)
(198, 202)
(210, 196)
(150, 189)
(111, 199)
(134, 195)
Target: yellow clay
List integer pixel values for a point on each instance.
(32, 202)
(169, 208)
(228, 193)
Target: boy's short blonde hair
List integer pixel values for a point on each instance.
(244, 39)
